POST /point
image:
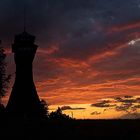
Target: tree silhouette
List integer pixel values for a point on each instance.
(4, 78)
(58, 115)
(44, 108)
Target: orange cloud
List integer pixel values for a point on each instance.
(125, 27)
(48, 51)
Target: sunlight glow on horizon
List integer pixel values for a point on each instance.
(128, 108)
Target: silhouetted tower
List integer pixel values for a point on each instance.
(24, 100)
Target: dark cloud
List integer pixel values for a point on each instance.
(71, 108)
(124, 107)
(128, 104)
(127, 99)
(135, 107)
(55, 20)
(104, 103)
(119, 99)
(137, 100)
(95, 113)
(128, 96)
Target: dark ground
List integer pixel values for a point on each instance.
(71, 129)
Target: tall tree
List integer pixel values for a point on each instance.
(4, 78)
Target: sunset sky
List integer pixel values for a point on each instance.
(89, 50)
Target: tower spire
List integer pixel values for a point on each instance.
(24, 16)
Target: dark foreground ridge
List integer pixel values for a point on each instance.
(70, 129)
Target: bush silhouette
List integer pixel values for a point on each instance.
(44, 109)
(58, 115)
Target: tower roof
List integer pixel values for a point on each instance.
(24, 33)
(24, 42)
(24, 37)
